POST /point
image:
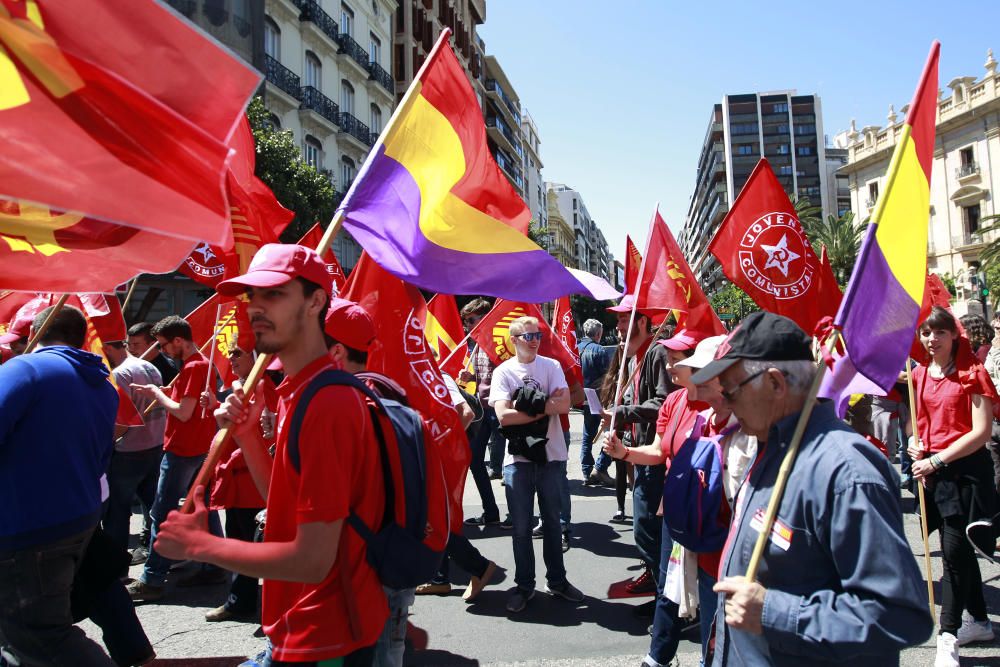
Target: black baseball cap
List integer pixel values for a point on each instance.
(763, 336)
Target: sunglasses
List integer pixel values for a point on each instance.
(530, 336)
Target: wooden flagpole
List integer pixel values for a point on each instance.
(211, 353)
(33, 342)
(921, 497)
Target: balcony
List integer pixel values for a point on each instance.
(372, 138)
(378, 74)
(311, 11)
(967, 171)
(352, 49)
(492, 86)
(354, 127)
(282, 77)
(316, 101)
(510, 168)
(870, 204)
(965, 241)
(498, 123)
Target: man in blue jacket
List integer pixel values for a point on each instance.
(57, 414)
(837, 582)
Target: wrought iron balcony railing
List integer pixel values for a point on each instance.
(313, 99)
(354, 127)
(282, 77)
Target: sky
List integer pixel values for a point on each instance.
(622, 91)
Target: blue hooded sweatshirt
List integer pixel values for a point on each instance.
(57, 420)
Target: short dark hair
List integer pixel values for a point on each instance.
(173, 326)
(478, 306)
(308, 287)
(940, 319)
(68, 326)
(141, 329)
(354, 355)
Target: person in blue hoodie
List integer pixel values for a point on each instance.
(57, 415)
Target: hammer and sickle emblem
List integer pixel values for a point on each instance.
(22, 33)
(33, 228)
(675, 272)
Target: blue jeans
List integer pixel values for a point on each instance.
(130, 474)
(591, 426)
(565, 508)
(392, 643)
(114, 612)
(36, 626)
(465, 555)
(176, 475)
(666, 626)
(708, 604)
(521, 481)
(646, 526)
(478, 466)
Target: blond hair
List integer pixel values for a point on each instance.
(517, 326)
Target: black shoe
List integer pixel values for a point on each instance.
(507, 524)
(482, 520)
(139, 555)
(565, 542)
(619, 517)
(496, 475)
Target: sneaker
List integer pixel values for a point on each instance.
(205, 577)
(507, 524)
(602, 478)
(482, 520)
(565, 542)
(974, 631)
(644, 584)
(619, 517)
(566, 591)
(947, 651)
(982, 538)
(139, 555)
(519, 600)
(223, 613)
(434, 589)
(477, 584)
(140, 591)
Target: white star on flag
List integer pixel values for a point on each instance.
(778, 256)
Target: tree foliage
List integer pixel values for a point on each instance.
(538, 235)
(299, 187)
(990, 255)
(841, 237)
(730, 299)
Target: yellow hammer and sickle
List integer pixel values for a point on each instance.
(33, 229)
(37, 52)
(675, 272)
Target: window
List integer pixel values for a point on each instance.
(375, 121)
(314, 71)
(346, 20)
(780, 108)
(803, 150)
(272, 38)
(374, 48)
(346, 172)
(574, 205)
(274, 121)
(346, 97)
(805, 129)
(745, 149)
(782, 149)
(312, 151)
(744, 128)
(971, 215)
(399, 64)
(872, 193)
(785, 170)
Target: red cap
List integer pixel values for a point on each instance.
(350, 324)
(20, 327)
(628, 302)
(276, 264)
(683, 340)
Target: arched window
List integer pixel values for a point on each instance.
(346, 97)
(274, 121)
(312, 151)
(272, 38)
(346, 172)
(314, 71)
(375, 124)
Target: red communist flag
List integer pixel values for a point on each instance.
(229, 327)
(443, 328)
(763, 249)
(311, 239)
(10, 303)
(667, 283)
(564, 327)
(633, 260)
(400, 351)
(131, 130)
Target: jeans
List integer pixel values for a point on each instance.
(130, 474)
(591, 426)
(465, 555)
(646, 526)
(521, 481)
(478, 467)
(241, 525)
(708, 603)
(392, 643)
(666, 626)
(176, 475)
(565, 508)
(962, 583)
(36, 625)
(363, 657)
(114, 612)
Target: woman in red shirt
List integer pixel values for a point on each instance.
(954, 397)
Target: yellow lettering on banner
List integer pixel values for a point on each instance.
(33, 229)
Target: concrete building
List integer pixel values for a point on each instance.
(964, 176)
(782, 126)
(588, 247)
(561, 238)
(837, 201)
(534, 186)
(502, 111)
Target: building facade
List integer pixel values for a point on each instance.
(588, 246)
(964, 175)
(782, 126)
(561, 240)
(534, 186)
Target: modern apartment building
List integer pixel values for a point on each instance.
(782, 126)
(534, 186)
(964, 176)
(590, 249)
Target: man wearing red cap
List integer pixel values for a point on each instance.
(314, 568)
(350, 332)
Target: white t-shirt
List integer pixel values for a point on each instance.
(453, 392)
(545, 374)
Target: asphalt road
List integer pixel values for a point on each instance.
(602, 631)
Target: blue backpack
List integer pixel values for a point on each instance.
(407, 549)
(693, 491)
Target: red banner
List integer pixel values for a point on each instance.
(633, 260)
(311, 239)
(443, 328)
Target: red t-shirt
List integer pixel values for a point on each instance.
(944, 405)
(340, 471)
(193, 437)
(674, 422)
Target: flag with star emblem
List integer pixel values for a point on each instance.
(764, 251)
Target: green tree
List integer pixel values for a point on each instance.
(949, 282)
(807, 213)
(538, 235)
(841, 237)
(990, 255)
(299, 187)
(731, 300)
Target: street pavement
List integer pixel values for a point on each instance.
(600, 632)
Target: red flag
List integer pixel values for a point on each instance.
(105, 312)
(311, 239)
(92, 125)
(565, 328)
(633, 260)
(443, 328)
(231, 329)
(763, 249)
(400, 351)
(667, 283)
(10, 303)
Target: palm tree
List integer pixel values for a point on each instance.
(841, 237)
(807, 213)
(989, 255)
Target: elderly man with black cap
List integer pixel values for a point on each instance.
(837, 581)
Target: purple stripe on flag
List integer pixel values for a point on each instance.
(382, 213)
(880, 321)
(843, 381)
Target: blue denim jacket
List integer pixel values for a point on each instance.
(594, 361)
(844, 585)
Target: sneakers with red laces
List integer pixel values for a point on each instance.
(644, 584)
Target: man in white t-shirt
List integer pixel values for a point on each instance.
(524, 477)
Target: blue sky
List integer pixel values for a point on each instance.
(622, 91)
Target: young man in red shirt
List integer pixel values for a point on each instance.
(186, 440)
(322, 601)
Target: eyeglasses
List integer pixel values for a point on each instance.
(530, 336)
(729, 394)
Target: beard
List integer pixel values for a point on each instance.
(271, 341)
